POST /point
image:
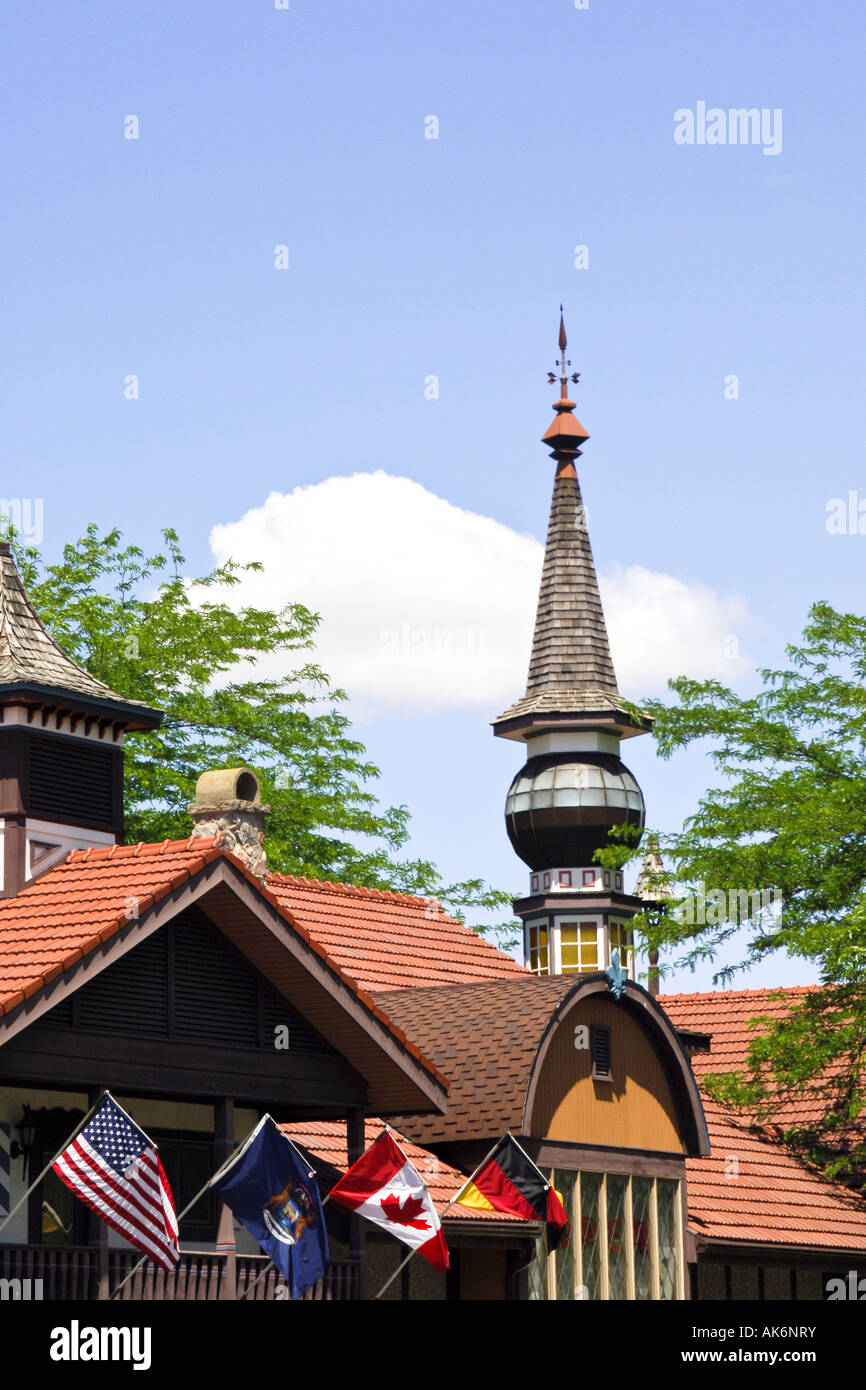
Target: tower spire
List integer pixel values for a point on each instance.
(570, 669)
(573, 788)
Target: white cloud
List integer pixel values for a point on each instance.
(426, 606)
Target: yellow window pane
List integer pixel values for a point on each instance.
(588, 933)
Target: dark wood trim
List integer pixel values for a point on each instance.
(355, 1144)
(641, 1163)
(151, 1066)
(752, 1253)
(568, 901)
(14, 855)
(224, 1143)
(220, 874)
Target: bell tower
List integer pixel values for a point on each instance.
(61, 744)
(574, 786)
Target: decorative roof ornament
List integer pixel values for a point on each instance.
(566, 434)
(616, 976)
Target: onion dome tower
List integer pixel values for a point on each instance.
(61, 744)
(574, 787)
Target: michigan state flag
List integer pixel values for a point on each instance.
(273, 1193)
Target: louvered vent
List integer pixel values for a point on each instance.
(130, 996)
(278, 1012)
(600, 1052)
(60, 1016)
(71, 780)
(215, 998)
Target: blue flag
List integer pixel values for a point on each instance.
(273, 1193)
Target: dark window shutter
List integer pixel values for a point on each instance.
(216, 1000)
(600, 1040)
(71, 780)
(130, 996)
(278, 1012)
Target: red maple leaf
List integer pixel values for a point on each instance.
(405, 1215)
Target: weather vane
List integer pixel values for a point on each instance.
(564, 362)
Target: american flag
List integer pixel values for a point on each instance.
(113, 1167)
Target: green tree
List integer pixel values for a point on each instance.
(788, 819)
(134, 621)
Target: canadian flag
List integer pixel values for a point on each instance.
(384, 1187)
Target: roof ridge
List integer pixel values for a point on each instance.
(141, 847)
(734, 993)
(357, 890)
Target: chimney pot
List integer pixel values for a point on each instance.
(228, 803)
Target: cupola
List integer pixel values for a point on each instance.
(61, 744)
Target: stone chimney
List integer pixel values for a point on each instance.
(228, 803)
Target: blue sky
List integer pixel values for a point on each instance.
(411, 257)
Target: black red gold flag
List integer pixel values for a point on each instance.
(509, 1181)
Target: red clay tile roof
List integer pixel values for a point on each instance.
(62, 916)
(770, 1196)
(485, 1037)
(725, 1014)
(72, 909)
(327, 1139)
(390, 941)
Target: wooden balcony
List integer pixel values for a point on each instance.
(73, 1272)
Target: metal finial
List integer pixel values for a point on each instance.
(564, 362)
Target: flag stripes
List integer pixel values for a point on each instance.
(114, 1168)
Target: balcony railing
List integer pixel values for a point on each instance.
(73, 1272)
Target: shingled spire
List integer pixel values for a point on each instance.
(31, 661)
(570, 669)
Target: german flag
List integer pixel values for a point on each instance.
(509, 1181)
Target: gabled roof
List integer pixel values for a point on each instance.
(31, 661)
(390, 940)
(326, 1139)
(67, 916)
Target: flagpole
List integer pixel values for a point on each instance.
(259, 1277)
(189, 1206)
(403, 1263)
(65, 1145)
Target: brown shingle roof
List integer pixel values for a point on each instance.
(570, 668)
(29, 656)
(484, 1037)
